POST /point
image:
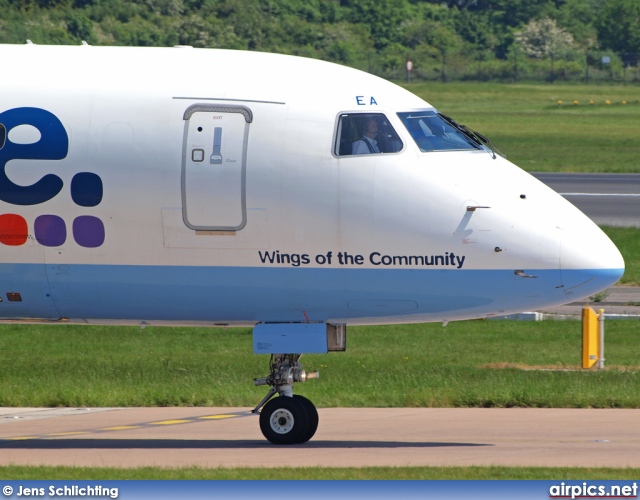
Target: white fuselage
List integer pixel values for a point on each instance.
(206, 186)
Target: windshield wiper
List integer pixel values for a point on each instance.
(476, 137)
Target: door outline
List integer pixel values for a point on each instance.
(215, 108)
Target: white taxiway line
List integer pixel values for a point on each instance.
(601, 194)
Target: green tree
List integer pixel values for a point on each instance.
(384, 18)
(79, 26)
(579, 17)
(544, 39)
(619, 26)
(465, 38)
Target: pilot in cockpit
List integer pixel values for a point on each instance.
(367, 143)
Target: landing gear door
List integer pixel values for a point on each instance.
(213, 167)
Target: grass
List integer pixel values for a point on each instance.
(319, 473)
(526, 123)
(466, 364)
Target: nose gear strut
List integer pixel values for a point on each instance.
(289, 418)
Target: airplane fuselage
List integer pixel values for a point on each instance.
(191, 186)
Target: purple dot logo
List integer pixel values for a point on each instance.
(50, 230)
(87, 191)
(88, 231)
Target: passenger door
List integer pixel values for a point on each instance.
(214, 167)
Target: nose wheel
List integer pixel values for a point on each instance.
(289, 418)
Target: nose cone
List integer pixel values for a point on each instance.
(589, 260)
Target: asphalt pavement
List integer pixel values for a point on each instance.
(618, 302)
(346, 437)
(608, 199)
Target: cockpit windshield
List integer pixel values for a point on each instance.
(434, 132)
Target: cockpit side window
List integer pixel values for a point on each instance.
(3, 135)
(433, 133)
(365, 133)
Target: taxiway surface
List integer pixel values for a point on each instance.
(230, 437)
(608, 199)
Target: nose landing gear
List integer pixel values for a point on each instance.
(289, 418)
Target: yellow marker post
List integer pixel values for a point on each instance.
(590, 331)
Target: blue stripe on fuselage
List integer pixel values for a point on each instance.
(253, 294)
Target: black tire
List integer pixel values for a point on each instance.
(312, 413)
(284, 420)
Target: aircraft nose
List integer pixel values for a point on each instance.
(589, 261)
